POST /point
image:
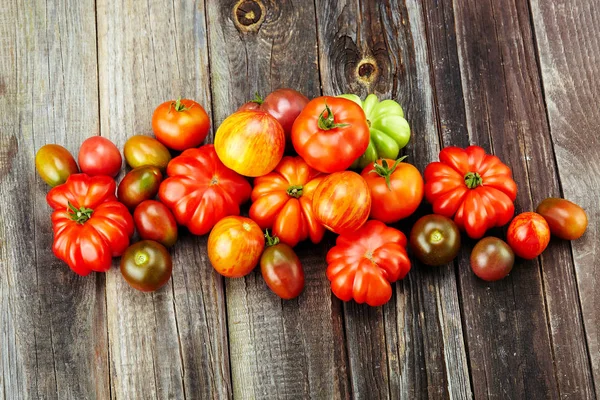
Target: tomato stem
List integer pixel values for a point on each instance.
(473, 179)
(179, 106)
(79, 215)
(294, 191)
(328, 122)
(257, 99)
(385, 171)
(270, 240)
(141, 258)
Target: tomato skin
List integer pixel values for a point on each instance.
(250, 142)
(282, 200)
(180, 124)
(55, 164)
(141, 150)
(154, 221)
(363, 264)
(138, 185)
(200, 190)
(337, 147)
(99, 156)
(435, 240)
(492, 259)
(402, 199)
(282, 271)
(566, 219)
(235, 245)
(528, 235)
(342, 202)
(146, 265)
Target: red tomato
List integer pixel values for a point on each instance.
(154, 221)
(342, 202)
(180, 124)
(234, 246)
(200, 190)
(99, 156)
(250, 142)
(396, 189)
(566, 219)
(528, 235)
(331, 133)
(281, 269)
(282, 200)
(363, 263)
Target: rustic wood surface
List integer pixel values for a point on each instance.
(520, 78)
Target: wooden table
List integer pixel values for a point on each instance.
(520, 78)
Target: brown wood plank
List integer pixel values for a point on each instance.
(53, 341)
(568, 46)
(413, 347)
(172, 343)
(512, 353)
(278, 348)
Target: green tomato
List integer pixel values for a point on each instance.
(390, 132)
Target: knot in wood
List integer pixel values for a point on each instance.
(248, 15)
(367, 70)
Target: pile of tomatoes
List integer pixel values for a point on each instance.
(301, 155)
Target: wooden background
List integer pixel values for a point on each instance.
(518, 77)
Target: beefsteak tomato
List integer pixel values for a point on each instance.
(475, 188)
(90, 226)
(200, 190)
(282, 200)
(363, 264)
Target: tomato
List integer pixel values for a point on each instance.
(396, 189)
(281, 269)
(566, 219)
(90, 226)
(282, 200)
(234, 246)
(389, 130)
(492, 259)
(330, 133)
(435, 240)
(363, 264)
(180, 124)
(475, 188)
(250, 142)
(99, 156)
(342, 202)
(154, 221)
(200, 190)
(141, 150)
(528, 235)
(55, 164)
(138, 185)
(146, 265)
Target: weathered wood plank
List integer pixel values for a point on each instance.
(413, 347)
(278, 348)
(568, 46)
(53, 341)
(172, 343)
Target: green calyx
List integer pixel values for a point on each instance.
(80, 215)
(270, 240)
(385, 171)
(179, 106)
(294, 191)
(257, 99)
(473, 179)
(328, 122)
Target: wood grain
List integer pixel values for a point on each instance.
(172, 343)
(278, 348)
(53, 341)
(568, 47)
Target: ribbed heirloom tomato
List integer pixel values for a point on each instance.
(282, 200)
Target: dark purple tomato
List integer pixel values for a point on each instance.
(138, 185)
(492, 259)
(146, 265)
(435, 240)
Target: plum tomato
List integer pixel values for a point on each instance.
(281, 269)
(154, 221)
(492, 259)
(435, 240)
(528, 235)
(180, 124)
(566, 219)
(146, 265)
(138, 185)
(55, 164)
(141, 150)
(99, 156)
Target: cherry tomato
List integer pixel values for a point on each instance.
(146, 265)
(281, 269)
(180, 124)
(528, 235)
(55, 164)
(342, 202)
(234, 246)
(154, 221)
(140, 150)
(492, 259)
(435, 240)
(138, 185)
(396, 189)
(566, 219)
(99, 156)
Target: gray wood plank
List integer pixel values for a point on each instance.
(567, 39)
(172, 343)
(278, 349)
(413, 347)
(53, 334)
